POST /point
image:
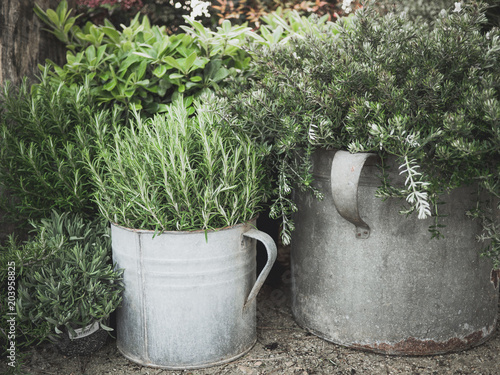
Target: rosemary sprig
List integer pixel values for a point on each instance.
(179, 172)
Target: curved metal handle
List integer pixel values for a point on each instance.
(272, 253)
(345, 173)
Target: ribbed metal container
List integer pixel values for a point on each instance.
(366, 277)
(189, 299)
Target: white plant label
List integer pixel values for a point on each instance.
(84, 332)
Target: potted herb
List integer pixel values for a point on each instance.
(386, 114)
(71, 287)
(44, 128)
(182, 192)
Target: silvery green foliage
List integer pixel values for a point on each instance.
(426, 93)
(424, 10)
(65, 276)
(176, 171)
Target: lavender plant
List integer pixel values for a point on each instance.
(65, 278)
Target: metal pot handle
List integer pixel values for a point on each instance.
(345, 173)
(272, 252)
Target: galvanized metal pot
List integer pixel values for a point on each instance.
(189, 299)
(366, 277)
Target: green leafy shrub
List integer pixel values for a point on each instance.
(64, 277)
(44, 130)
(428, 94)
(61, 24)
(142, 67)
(176, 172)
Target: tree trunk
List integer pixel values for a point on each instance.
(23, 43)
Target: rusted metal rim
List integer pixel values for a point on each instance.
(415, 347)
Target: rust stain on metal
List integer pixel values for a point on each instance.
(413, 346)
(495, 277)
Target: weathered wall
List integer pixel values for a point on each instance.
(23, 43)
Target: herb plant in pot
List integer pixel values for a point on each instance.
(381, 113)
(43, 132)
(182, 193)
(71, 287)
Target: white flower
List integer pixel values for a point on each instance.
(346, 5)
(199, 8)
(458, 7)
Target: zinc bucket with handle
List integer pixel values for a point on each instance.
(190, 297)
(367, 277)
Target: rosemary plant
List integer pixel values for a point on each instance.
(44, 129)
(428, 94)
(179, 172)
